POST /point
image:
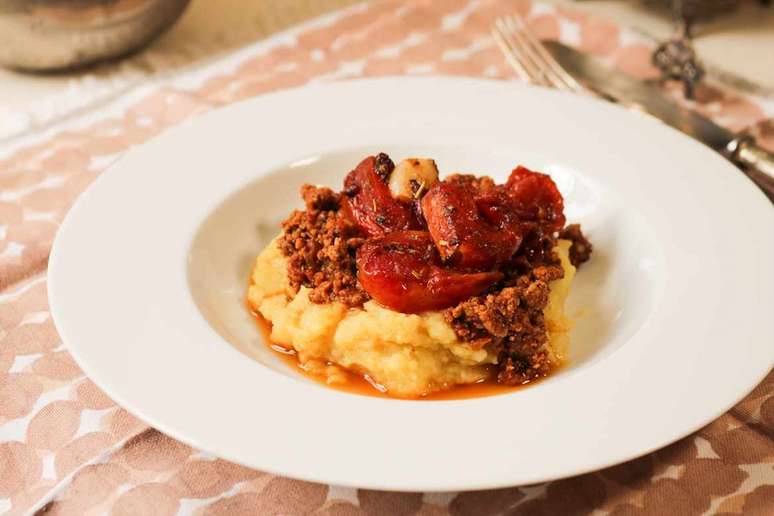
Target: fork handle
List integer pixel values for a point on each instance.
(756, 161)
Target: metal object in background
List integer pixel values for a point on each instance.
(676, 57)
(554, 65)
(695, 9)
(677, 60)
(50, 35)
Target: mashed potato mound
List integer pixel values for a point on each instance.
(410, 355)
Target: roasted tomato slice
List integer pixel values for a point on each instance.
(372, 206)
(499, 208)
(462, 235)
(537, 197)
(402, 271)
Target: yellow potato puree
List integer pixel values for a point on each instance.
(410, 355)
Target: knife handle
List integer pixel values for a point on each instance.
(756, 161)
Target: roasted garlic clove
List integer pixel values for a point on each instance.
(412, 178)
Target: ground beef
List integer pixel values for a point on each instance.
(320, 244)
(319, 198)
(470, 182)
(580, 250)
(510, 319)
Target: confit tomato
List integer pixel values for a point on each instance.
(370, 203)
(403, 271)
(466, 235)
(537, 197)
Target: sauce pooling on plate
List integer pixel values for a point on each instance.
(361, 384)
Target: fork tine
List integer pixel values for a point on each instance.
(529, 57)
(546, 75)
(504, 42)
(559, 72)
(511, 49)
(524, 52)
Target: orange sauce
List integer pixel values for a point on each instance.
(360, 384)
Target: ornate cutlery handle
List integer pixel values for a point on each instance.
(757, 162)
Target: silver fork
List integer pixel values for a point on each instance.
(529, 58)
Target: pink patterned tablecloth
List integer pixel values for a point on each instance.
(66, 448)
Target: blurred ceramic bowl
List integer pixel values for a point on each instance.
(61, 34)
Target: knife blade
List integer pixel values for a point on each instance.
(634, 93)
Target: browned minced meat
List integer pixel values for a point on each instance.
(580, 250)
(511, 319)
(471, 182)
(320, 245)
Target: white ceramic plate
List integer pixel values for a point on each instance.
(149, 270)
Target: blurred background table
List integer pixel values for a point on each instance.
(739, 44)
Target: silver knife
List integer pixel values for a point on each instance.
(741, 149)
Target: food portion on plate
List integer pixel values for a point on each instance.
(420, 284)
